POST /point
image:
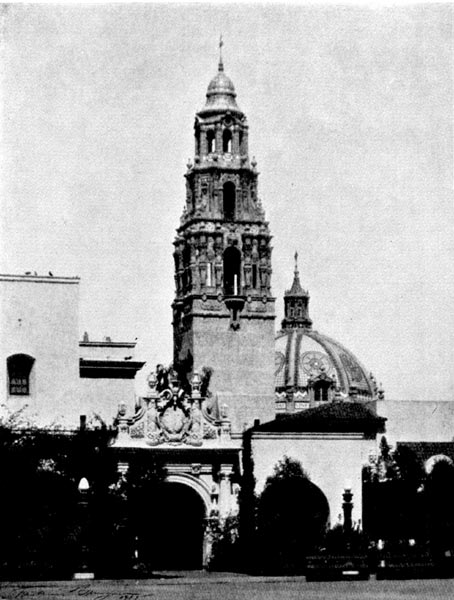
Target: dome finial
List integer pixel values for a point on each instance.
(296, 263)
(221, 64)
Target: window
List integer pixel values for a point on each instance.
(321, 389)
(227, 141)
(186, 277)
(19, 369)
(210, 141)
(232, 271)
(209, 274)
(229, 201)
(254, 275)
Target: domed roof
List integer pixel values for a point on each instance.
(221, 84)
(303, 355)
(220, 93)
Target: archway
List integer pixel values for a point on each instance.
(173, 530)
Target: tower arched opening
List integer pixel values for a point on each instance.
(232, 271)
(229, 201)
(240, 142)
(186, 277)
(197, 142)
(227, 141)
(210, 141)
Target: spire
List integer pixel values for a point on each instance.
(296, 289)
(296, 301)
(221, 64)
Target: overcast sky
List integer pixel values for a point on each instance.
(350, 115)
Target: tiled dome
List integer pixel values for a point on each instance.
(303, 355)
(311, 368)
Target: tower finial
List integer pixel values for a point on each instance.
(221, 64)
(296, 262)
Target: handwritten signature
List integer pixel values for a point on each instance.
(84, 592)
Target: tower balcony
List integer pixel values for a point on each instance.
(235, 304)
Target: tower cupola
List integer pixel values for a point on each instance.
(296, 304)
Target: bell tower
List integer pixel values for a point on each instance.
(223, 312)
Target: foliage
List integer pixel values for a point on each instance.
(338, 542)
(225, 544)
(247, 504)
(123, 504)
(291, 520)
(437, 499)
(402, 502)
(42, 468)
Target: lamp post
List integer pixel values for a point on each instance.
(83, 571)
(347, 507)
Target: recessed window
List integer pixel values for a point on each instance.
(227, 141)
(210, 141)
(321, 391)
(19, 371)
(229, 201)
(232, 271)
(254, 275)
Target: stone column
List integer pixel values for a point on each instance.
(203, 141)
(245, 144)
(218, 139)
(225, 490)
(235, 141)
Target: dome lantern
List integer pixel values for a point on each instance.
(296, 303)
(221, 95)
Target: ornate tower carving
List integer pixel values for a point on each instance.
(223, 310)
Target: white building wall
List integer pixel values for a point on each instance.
(39, 317)
(332, 461)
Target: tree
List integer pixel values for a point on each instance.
(438, 503)
(391, 509)
(292, 518)
(42, 469)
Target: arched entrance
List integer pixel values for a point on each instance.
(173, 530)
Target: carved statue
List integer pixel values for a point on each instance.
(162, 377)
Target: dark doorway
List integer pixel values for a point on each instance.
(173, 530)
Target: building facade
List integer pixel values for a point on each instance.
(297, 393)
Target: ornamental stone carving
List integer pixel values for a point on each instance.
(174, 413)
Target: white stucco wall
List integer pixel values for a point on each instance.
(39, 317)
(332, 461)
(412, 421)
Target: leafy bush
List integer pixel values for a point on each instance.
(292, 518)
